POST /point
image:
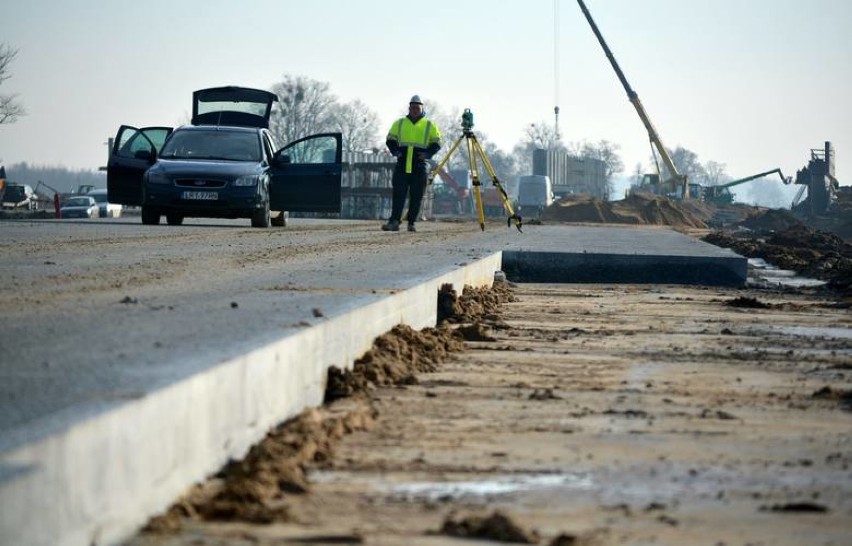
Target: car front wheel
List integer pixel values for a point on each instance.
(150, 216)
(281, 219)
(174, 219)
(260, 218)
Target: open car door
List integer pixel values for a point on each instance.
(306, 175)
(133, 151)
(232, 105)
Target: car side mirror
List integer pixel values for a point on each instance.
(148, 155)
(282, 159)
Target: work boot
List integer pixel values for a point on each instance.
(411, 227)
(392, 225)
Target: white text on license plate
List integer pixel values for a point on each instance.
(205, 195)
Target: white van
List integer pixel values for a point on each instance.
(535, 193)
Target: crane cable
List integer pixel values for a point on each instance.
(556, 67)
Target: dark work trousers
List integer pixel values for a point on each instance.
(412, 185)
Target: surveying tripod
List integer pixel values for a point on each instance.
(474, 150)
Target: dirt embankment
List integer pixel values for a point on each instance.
(784, 241)
(253, 490)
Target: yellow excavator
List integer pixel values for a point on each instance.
(674, 186)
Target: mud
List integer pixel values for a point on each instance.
(592, 416)
(497, 527)
(795, 246)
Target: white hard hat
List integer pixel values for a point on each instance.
(415, 100)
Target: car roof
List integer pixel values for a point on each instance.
(208, 128)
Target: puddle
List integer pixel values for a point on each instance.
(454, 490)
(765, 273)
(805, 331)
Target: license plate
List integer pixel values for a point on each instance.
(204, 195)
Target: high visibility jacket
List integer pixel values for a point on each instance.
(406, 138)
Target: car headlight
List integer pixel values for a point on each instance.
(157, 178)
(246, 181)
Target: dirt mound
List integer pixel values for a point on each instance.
(252, 489)
(475, 304)
(395, 358)
(638, 209)
(772, 220)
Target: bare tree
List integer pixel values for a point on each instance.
(607, 152)
(715, 174)
(540, 135)
(543, 135)
(305, 107)
(10, 108)
(359, 125)
(687, 163)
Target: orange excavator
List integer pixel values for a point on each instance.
(450, 197)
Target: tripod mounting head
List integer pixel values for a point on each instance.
(467, 120)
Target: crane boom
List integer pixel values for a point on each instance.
(677, 179)
(785, 179)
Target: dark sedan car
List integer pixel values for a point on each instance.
(224, 164)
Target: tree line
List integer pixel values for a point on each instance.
(308, 106)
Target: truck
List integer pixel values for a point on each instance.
(19, 197)
(535, 193)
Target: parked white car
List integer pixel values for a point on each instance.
(105, 208)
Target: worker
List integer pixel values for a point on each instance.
(413, 140)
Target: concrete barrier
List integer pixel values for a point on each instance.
(100, 480)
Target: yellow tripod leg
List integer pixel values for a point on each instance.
(444, 161)
(477, 185)
(507, 203)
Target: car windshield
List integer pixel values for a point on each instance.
(213, 144)
(78, 202)
(15, 193)
(99, 197)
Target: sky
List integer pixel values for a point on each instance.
(753, 84)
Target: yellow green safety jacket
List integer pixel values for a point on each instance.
(408, 139)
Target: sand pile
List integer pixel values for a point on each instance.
(637, 209)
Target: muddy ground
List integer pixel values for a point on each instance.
(563, 414)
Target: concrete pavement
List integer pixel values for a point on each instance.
(142, 427)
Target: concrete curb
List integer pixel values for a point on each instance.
(99, 481)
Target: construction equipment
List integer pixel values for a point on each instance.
(451, 196)
(474, 154)
(676, 185)
(721, 194)
(819, 179)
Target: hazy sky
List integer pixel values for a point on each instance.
(754, 84)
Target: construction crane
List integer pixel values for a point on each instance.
(677, 182)
(721, 194)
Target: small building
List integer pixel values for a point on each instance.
(571, 175)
